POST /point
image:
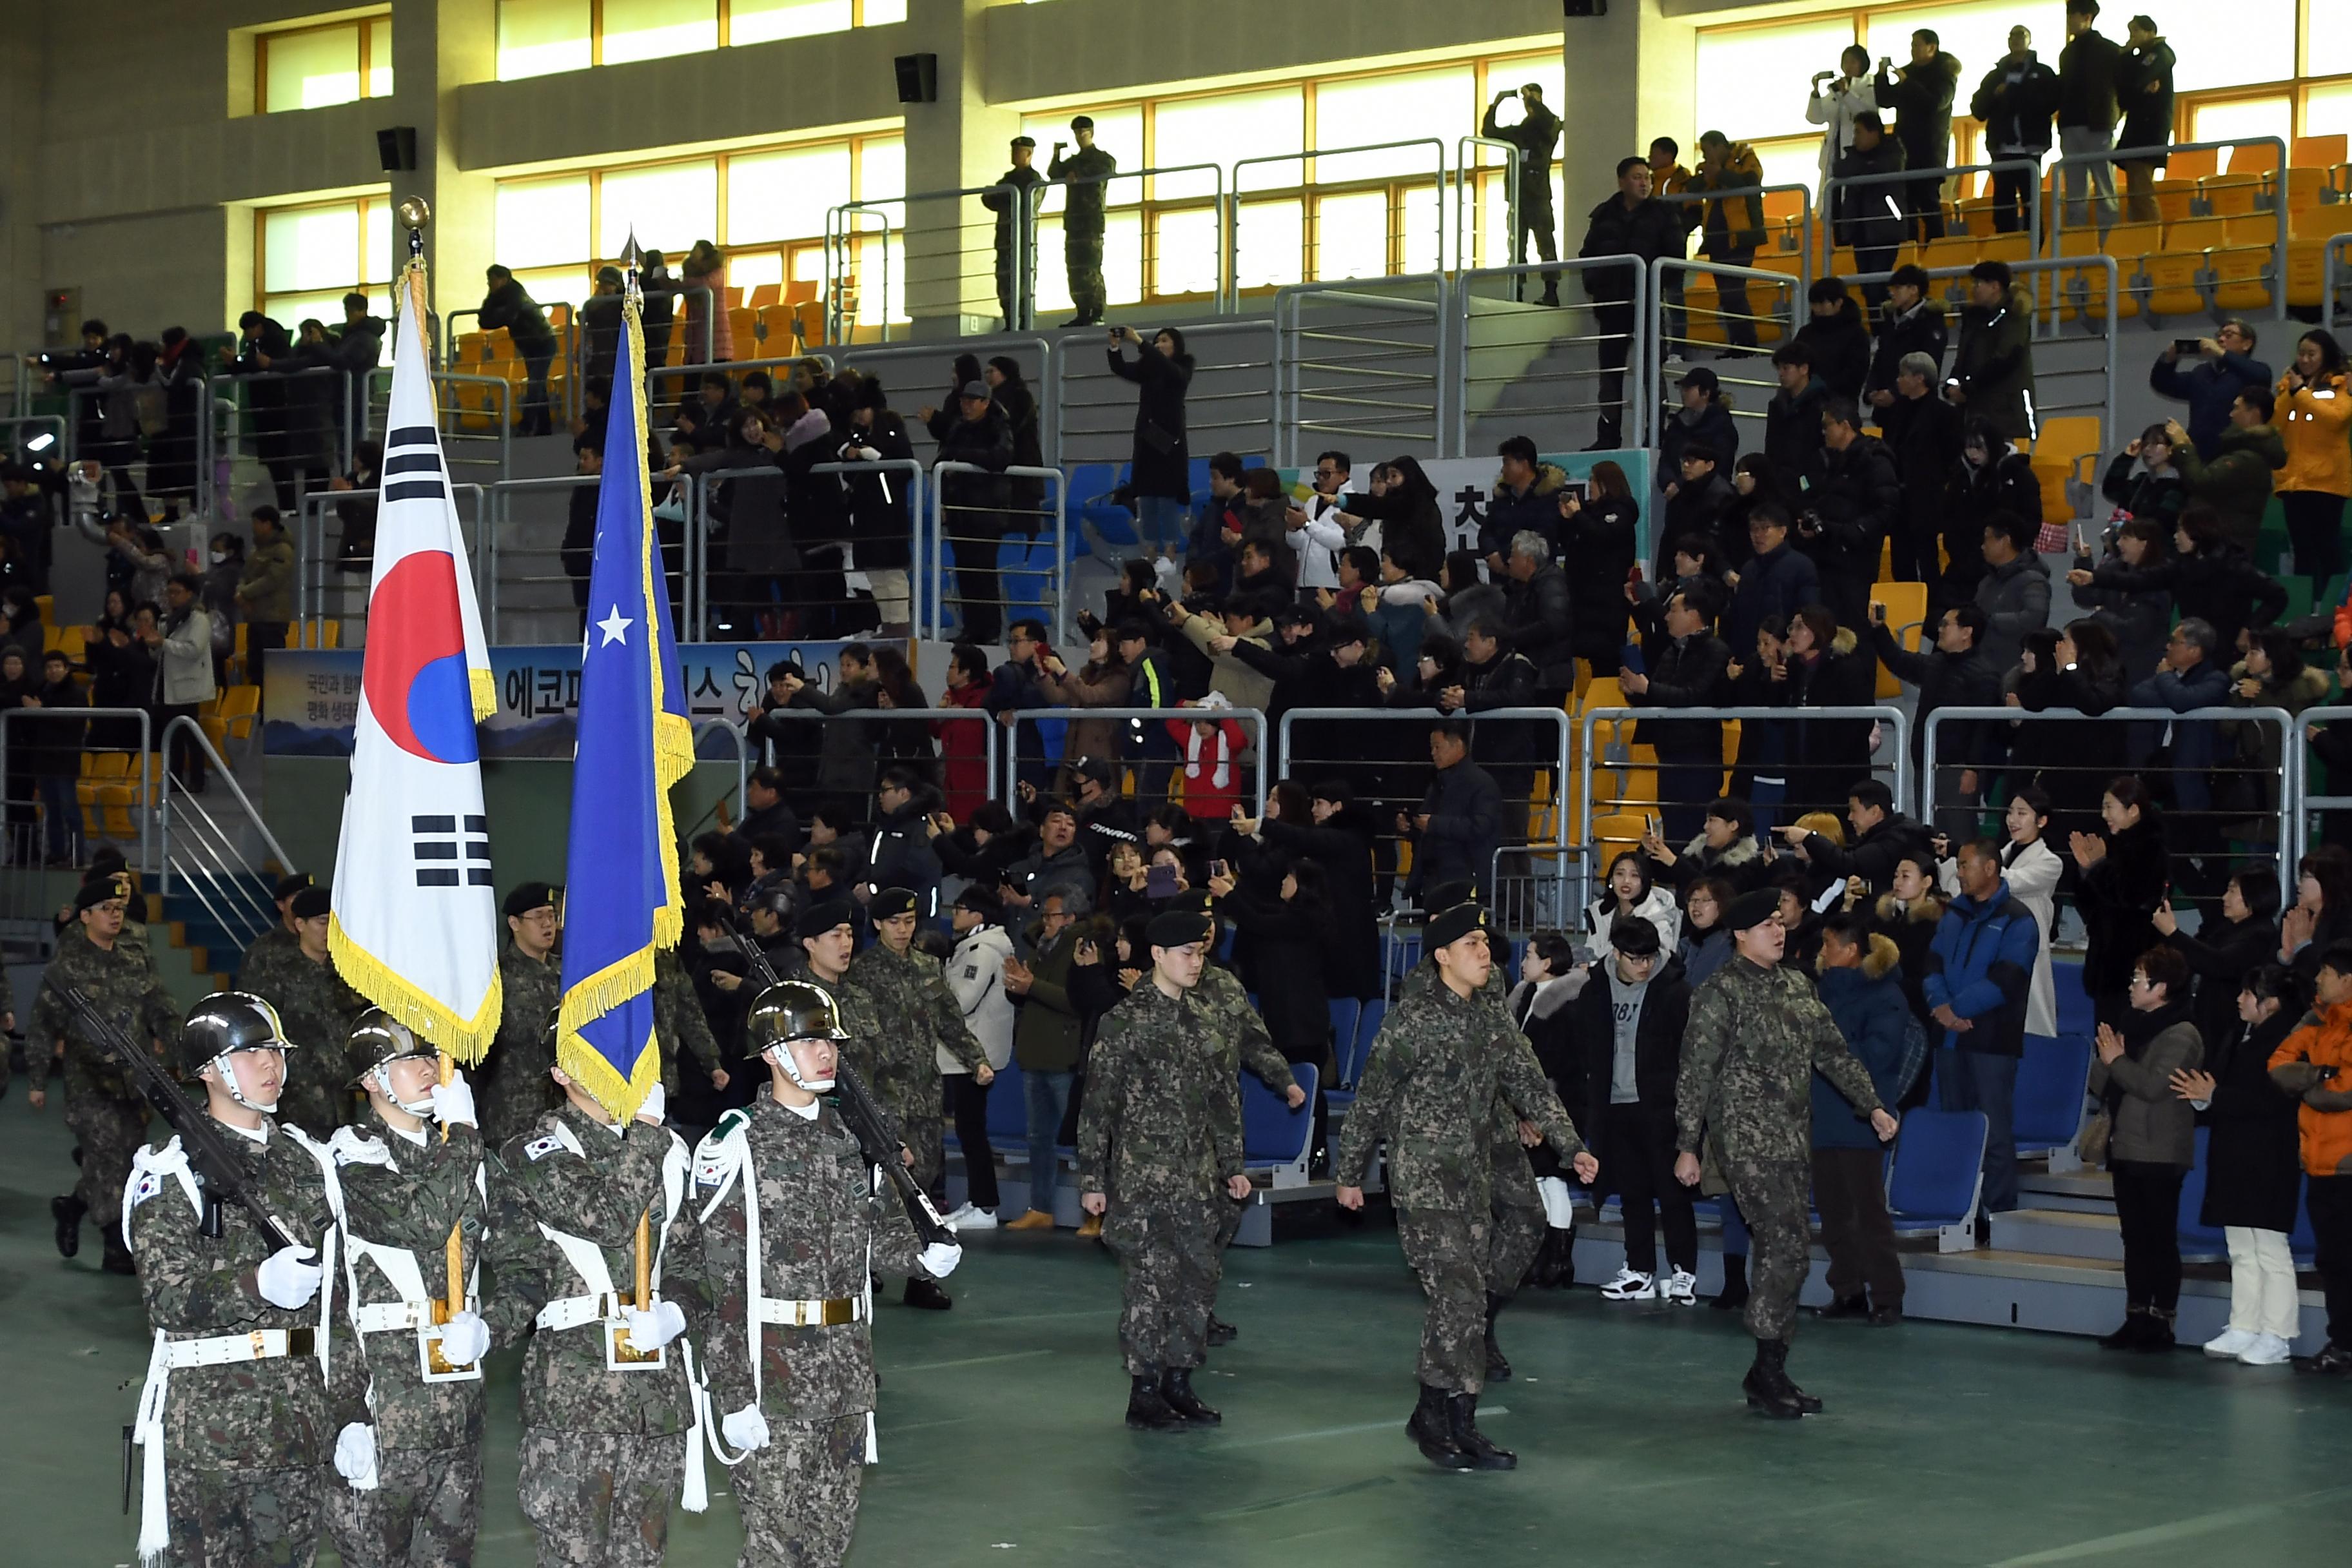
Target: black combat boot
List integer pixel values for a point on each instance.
(1432, 1427)
(118, 1257)
(68, 1211)
(1770, 1392)
(1555, 1265)
(1176, 1390)
(1220, 1332)
(926, 1294)
(1806, 1404)
(1499, 1370)
(2158, 1335)
(1854, 1306)
(1734, 1283)
(1147, 1411)
(1461, 1422)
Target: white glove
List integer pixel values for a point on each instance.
(940, 1259)
(465, 1339)
(868, 455)
(745, 1428)
(651, 1331)
(656, 1104)
(355, 1454)
(453, 1102)
(289, 1277)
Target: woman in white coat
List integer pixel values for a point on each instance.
(1837, 97)
(1630, 892)
(2032, 869)
(976, 974)
(181, 644)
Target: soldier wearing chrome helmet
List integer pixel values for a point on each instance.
(785, 1260)
(236, 1419)
(405, 1186)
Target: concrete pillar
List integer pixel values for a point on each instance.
(439, 46)
(1630, 76)
(960, 140)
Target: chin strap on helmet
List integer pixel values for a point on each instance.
(781, 1055)
(379, 1078)
(236, 1090)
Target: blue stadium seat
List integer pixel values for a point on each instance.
(2074, 1002)
(1275, 1139)
(1090, 487)
(2199, 1242)
(1366, 1026)
(1008, 1110)
(2052, 1083)
(1347, 1014)
(2304, 1244)
(1937, 1176)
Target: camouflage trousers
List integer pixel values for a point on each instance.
(925, 1137)
(109, 1132)
(1772, 1196)
(422, 1513)
(1515, 1213)
(1450, 1252)
(244, 1519)
(798, 1495)
(600, 1499)
(1168, 1256)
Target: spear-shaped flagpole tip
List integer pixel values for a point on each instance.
(630, 258)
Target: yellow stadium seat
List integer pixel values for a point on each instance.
(2318, 151)
(48, 603)
(2241, 265)
(1602, 691)
(740, 323)
(2175, 272)
(2192, 165)
(2306, 264)
(72, 642)
(2059, 453)
(780, 331)
(1907, 611)
(240, 706)
(2305, 190)
(97, 768)
(763, 295)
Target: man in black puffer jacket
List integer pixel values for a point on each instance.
(1853, 501)
(1539, 615)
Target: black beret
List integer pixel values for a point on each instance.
(312, 903)
(529, 895)
(819, 918)
(1450, 926)
(1752, 909)
(1635, 936)
(98, 890)
(889, 902)
(1194, 902)
(1177, 928)
(289, 886)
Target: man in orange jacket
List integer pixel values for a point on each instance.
(2315, 1064)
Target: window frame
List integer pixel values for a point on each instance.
(361, 204)
(363, 47)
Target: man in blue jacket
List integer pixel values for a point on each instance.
(1460, 824)
(2225, 366)
(1862, 985)
(2193, 675)
(1777, 580)
(1979, 968)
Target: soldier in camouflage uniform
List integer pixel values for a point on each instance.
(791, 1215)
(513, 1086)
(1089, 170)
(282, 933)
(251, 1393)
(902, 1067)
(679, 1025)
(1757, 1034)
(318, 1008)
(1160, 1158)
(107, 1113)
(1443, 1060)
(411, 1170)
(603, 1446)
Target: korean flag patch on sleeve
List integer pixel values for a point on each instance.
(146, 1187)
(540, 1148)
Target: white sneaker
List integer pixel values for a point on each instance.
(1630, 1285)
(2231, 1343)
(1681, 1288)
(970, 1218)
(2268, 1350)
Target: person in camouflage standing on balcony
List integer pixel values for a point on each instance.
(412, 1167)
(1443, 1060)
(1757, 1034)
(1160, 1159)
(513, 1089)
(107, 1113)
(1088, 170)
(791, 1219)
(318, 1008)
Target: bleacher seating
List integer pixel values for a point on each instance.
(1937, 1176)
(1276, 1139)
(2046, 1106)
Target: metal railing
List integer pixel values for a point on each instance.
(314, 567)
(20, 443)
(902, 479)
(1160, 272)
(2297, 785)
(2204, 822)
(691, 374)
(2336, 279)
(1904, 180)
(211, 868)
(982, 563)
(1231, 403)
(1470, 172)
(846, 238)
(924, 361)
(936, 248)
(741, 745)
(932, 718)
(1362, 360)
(140, 804)
(1683, 319)
(1777, 241)
(472, 412)
(1009, 780)
(500, 540)
(2274, 274)
(1531, 365)
(1313, 183)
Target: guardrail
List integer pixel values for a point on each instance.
(1350, 366)
(907, 497)
(314, 566)
(1009, 793)
(213, 871)
(1502, 343)
(1313, 183)
(1232, 402)
(22, 445)
(1905, 179)
(2204, 819)
(144, 816)
(2275, 274)
(1160, 274)
(932, 718)
(977, 569)
(1775, 242)
(742, 746)
(1470, 169)
(2298, 780)
(1679, 314)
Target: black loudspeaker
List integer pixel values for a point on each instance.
(395, 145)
(1584, 8)
(918, 77)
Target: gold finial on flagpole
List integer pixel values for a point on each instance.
(415, 212)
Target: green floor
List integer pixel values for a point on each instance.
(1002, 1442)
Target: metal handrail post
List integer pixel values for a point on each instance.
(2305, 804)
(2288, 731)
(1639, 351)
(1558, 717)
(2031, 167)
(934, 540)
(1466, 169)
(1253, 717)
(2335, 270)
(1805, 211)
(913, 469)
(2115, 155)
(146, 755)
(221, 770)
(742, 754)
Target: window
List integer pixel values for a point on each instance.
(1226, 129)
(1370, 109)
(2234, 118)
(1975, 35)
(310, 67)
(308, 257)
(758, 21)
(784, 195)
(656, 29)
(2327, 38)
(2230, 45)
(1760, 74)
(538, 37)
(2328, 112)
(667, 206)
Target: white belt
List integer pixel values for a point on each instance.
(576, 1311)
(390, 1317)
(808, 1314)
(225, 1350)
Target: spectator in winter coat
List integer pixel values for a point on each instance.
(1920, 96)
(1598, 537)
(1852, 500)
(1992, 373)
(2225, 950)
(978, 435)
(1686, 671)
(1161, 466)
(2152, 1143)
(1058, 863)
(2032, 869)
(2192, 676)
(1524, 496)
(1909, 323)
(2156, 491)
(1625, 1030)
(963, 748)
(1862, 986)
(2253, 1183)
(1459, 823)
(1837, 98)
(2144, 92)
(1242, 620)
(2237, 482)
(1837, 338)
(1980, 969)
(1403, 503)
(2015, 593)
(1925, 435)
(1880, 836)
(2125, 879)
(1211, 768)
(2125, 593)
(2225, 366)
(1726, 851)
(1539, 615)
(880, 528)
(1630, 222)
(1776, 583)
(1957, 673)
(2086, 111)
(2015, 103)
(902, 854)
(1792, 422)
(1698, 498)
(1874, 222)
(1103, 683)
(1704, 419)
(2313, 413)
(1991, 477)
(2314, 1065)
(1733, 227)
(975, 977)
(2215, 579)
(1630, 894)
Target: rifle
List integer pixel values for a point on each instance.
(218, 1171)
(859, 1111)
